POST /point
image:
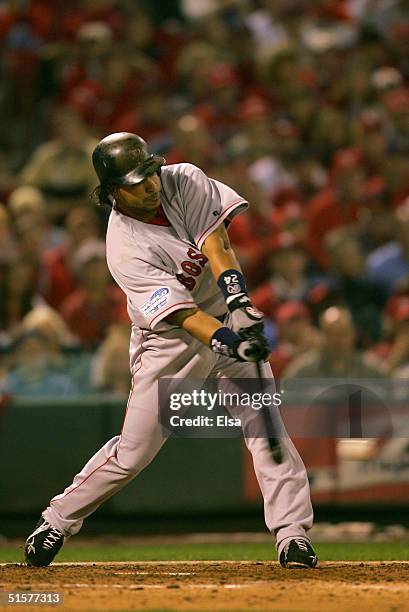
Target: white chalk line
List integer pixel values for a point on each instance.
(381, 587)
(141, 587)
(136, 587)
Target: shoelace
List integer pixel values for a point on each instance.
(303, 545)
(52, 538)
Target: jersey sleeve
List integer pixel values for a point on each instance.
(152, 292)
(208, 203)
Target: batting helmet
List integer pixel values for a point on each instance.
(123, 159)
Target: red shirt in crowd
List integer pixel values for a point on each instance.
(325, 212)
(90, 321)
(250, 235)
(57, 279)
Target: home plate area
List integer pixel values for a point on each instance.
(215, 585)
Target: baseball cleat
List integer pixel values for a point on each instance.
(43, 544)
(298, 553)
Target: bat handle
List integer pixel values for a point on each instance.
(274, 442)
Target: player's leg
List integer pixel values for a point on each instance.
(110, 469)
(113, 466)
(124, 456)
(285, 488)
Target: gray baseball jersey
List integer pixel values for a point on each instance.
(161, 269)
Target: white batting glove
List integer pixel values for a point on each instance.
(246, 320)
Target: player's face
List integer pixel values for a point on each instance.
(141, 200)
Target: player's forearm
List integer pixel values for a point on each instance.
(219, 338)
(224, 265)
(219, 252)
(198, 323)
(246, 320)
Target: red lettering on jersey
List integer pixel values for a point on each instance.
(197, 256)
(187, 281)
(191, 268)
(194, 269)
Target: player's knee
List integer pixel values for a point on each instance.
(132, 461)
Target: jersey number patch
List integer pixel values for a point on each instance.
(192, 268)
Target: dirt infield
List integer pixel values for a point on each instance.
(215, 585)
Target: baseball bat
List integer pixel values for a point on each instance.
(273, 438)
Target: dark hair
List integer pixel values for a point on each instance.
(102, 196)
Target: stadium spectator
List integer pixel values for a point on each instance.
(80, 83)
(45, 319)
(389, 264)
(309, 174)
(337, 204)
(18, 292)
(220, 112)
(288, 279)
(394, 349)
(57, 278)
(191, 141)
(192, 69)
(395, 174)
(256, 122)
(364, 299)
(337, 357)
(61, 168)
(31, 237)
(73, 358)
(296, 335)
(28, 205)
(149, 115)
(21, 49)
(289, 219)
(97, 302)
(371, 137)
(250, 234)
(36, 368)
(285, 100)
(8, 247)
(102, 102)
(110, 371)
(330, 133)
(90, 12)
(7, 177)
(396, 103)
(376, 227)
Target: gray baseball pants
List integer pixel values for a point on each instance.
(285, 487)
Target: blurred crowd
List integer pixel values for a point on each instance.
(302, 106)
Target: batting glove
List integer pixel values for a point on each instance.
(247, 321)
(227, 342)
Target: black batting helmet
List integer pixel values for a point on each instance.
(123, 159)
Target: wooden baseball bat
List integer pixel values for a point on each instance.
(273, 439)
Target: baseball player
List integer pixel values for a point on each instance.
(168, 250)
